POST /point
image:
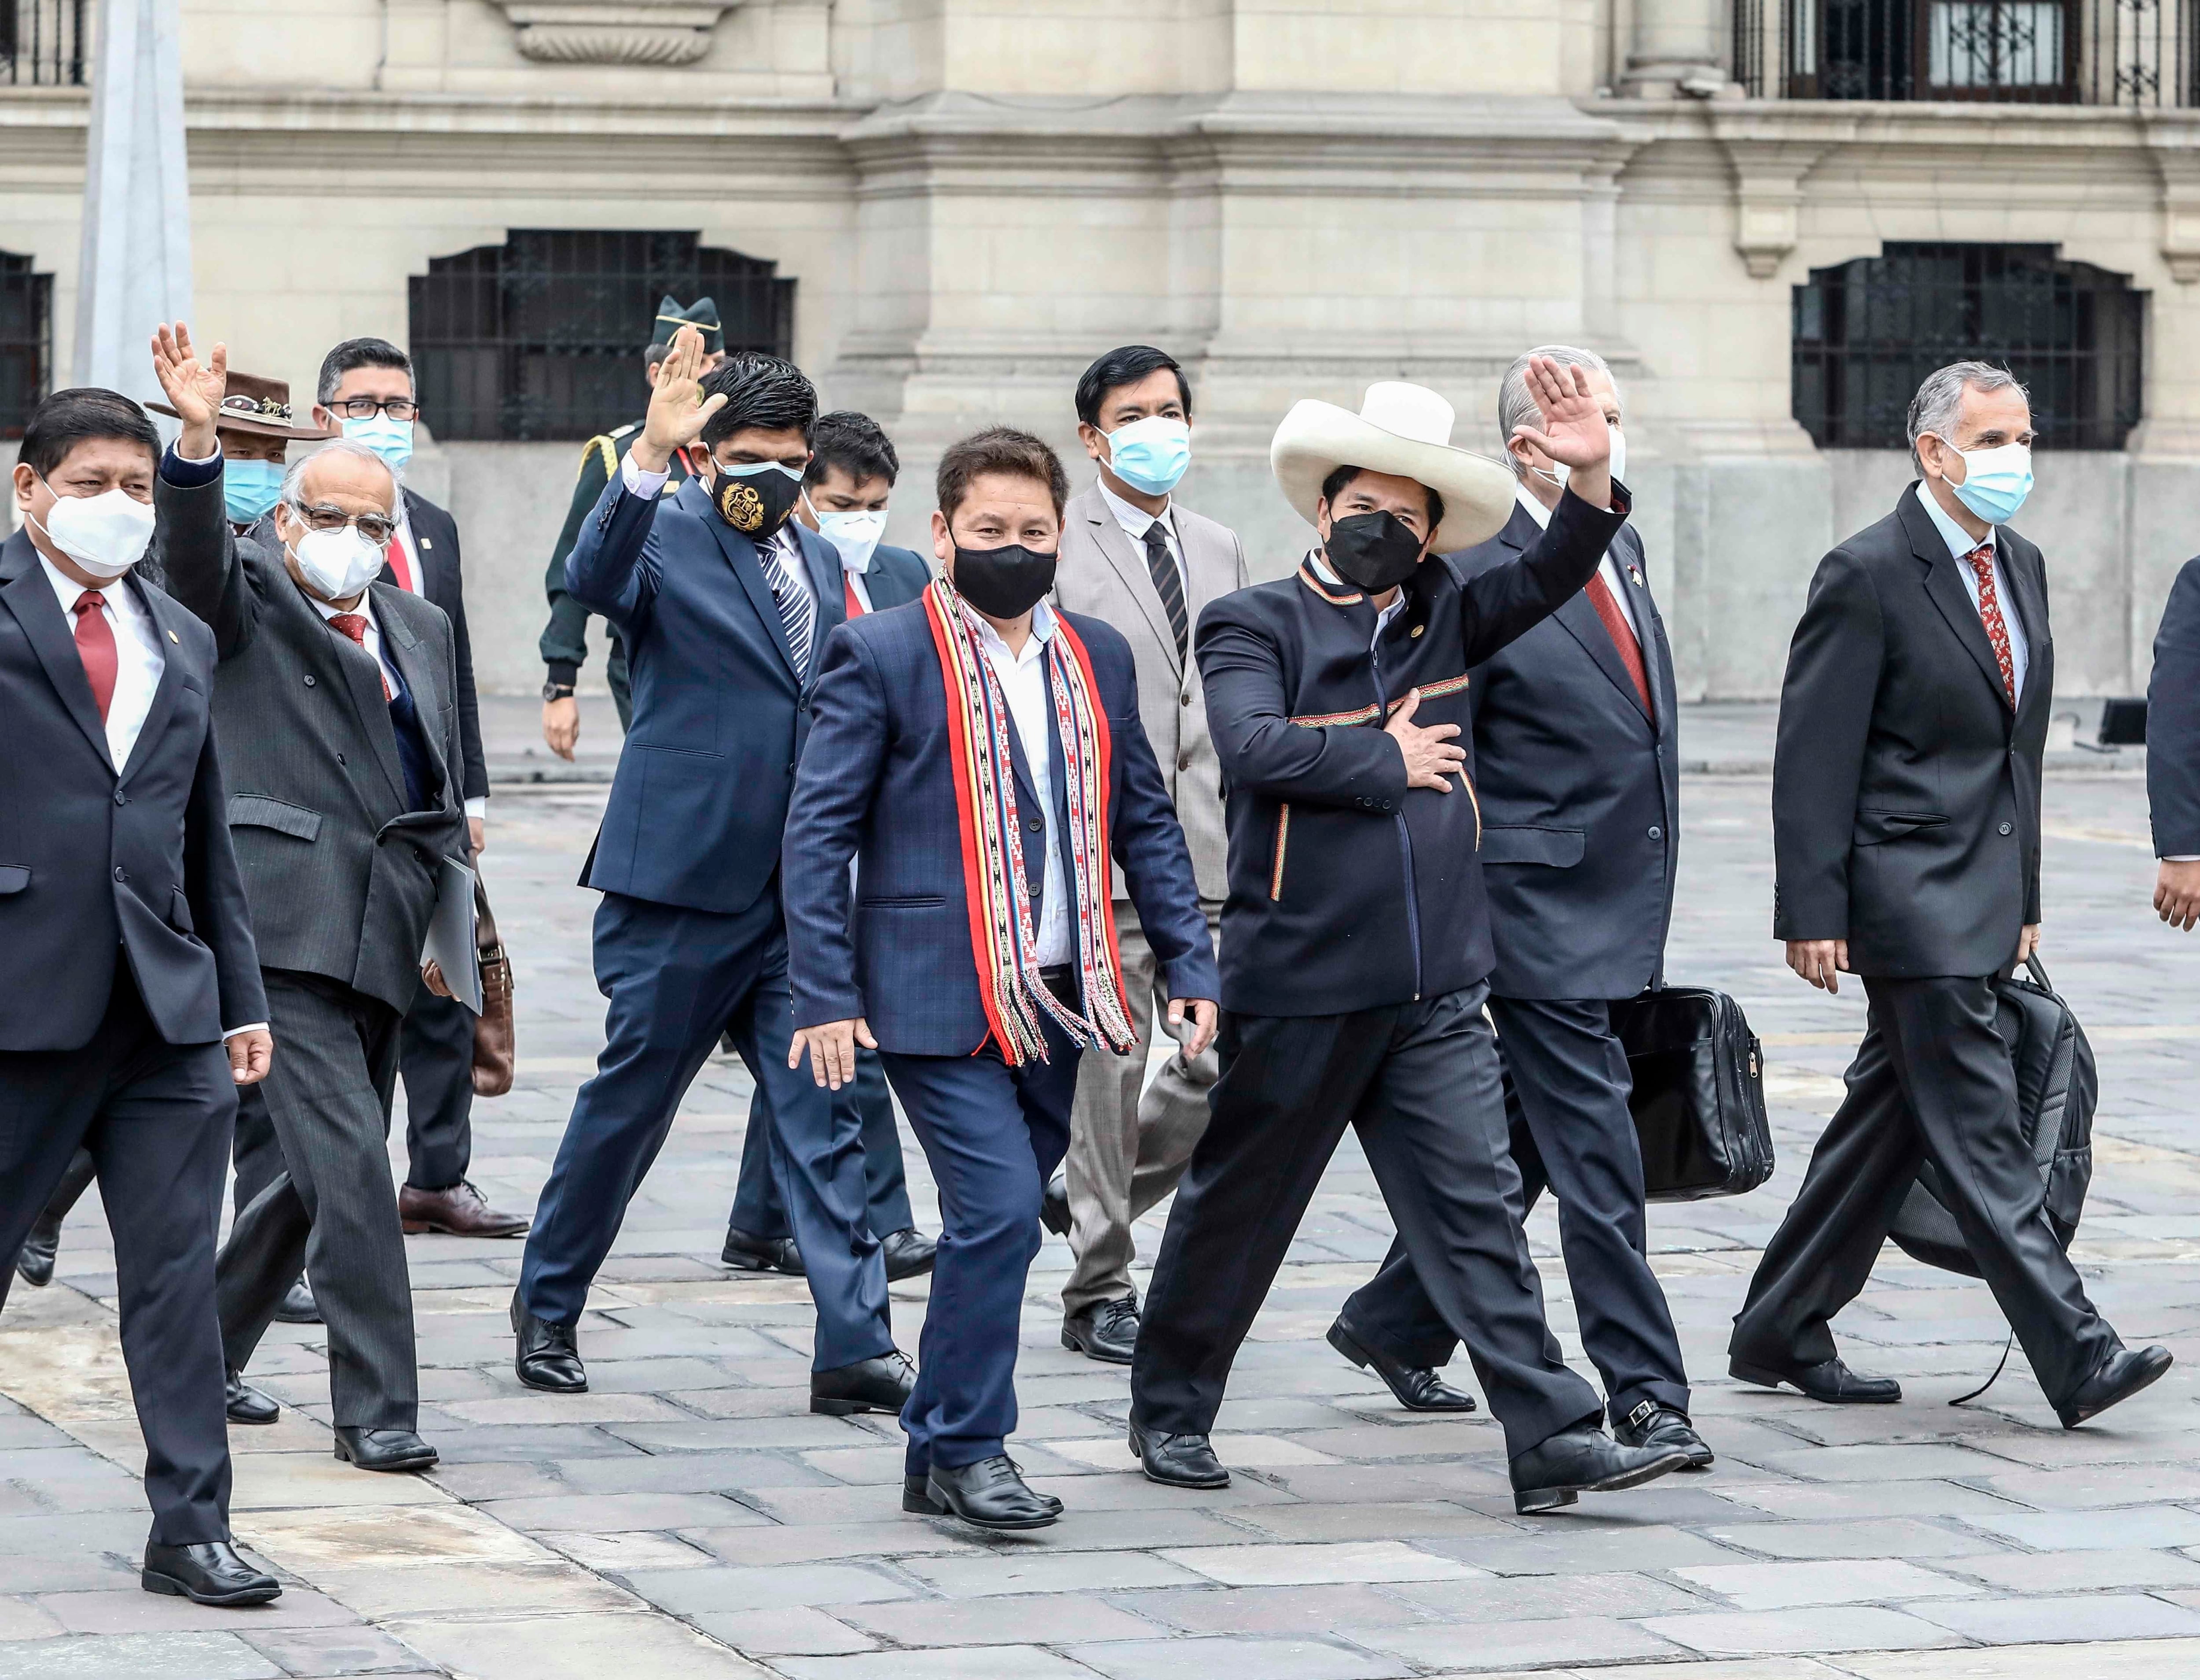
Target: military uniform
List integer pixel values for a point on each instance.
(565, 645)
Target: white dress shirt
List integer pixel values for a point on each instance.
(1960, 543)
(1613, 578)
(139, 660)
(1023, 682)
(782, 542)
(1136, 521)
(365, 609)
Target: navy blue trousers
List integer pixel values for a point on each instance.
(676, 979)
(758, 1208)
(994, 1135)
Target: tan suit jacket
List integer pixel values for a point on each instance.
(1103, 573)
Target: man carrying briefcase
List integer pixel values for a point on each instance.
(1578, 779)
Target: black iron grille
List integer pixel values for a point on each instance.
(42, 43)
(542, 337)
(27, 315)
(1868, 332)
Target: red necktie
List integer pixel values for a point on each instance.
(402, 564)
(354, 625)
(1621, 631)
(1981, 560)
(94, 646)
(855, 601)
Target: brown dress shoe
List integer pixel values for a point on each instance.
(456, 1212)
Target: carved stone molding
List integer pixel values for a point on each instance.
(614, 31)
(1767, 196)
(2178, 163)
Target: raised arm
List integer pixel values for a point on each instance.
(201, 563)
(1504, 603)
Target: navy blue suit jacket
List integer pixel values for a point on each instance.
(1580, 789)
(897, 576)
(2173, 721)
(699, 798)
(875, 783)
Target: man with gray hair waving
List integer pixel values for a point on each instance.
(1574, 737)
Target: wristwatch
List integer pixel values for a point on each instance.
(556, 691)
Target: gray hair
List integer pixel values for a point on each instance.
(293, 475)
(1939, 403)
(1516, 404)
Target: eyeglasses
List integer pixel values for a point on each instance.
(376, 527)
(365, 408)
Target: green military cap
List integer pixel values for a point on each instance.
(702, 315)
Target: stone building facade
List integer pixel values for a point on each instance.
(970, 198)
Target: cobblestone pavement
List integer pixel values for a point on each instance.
(689, 1518)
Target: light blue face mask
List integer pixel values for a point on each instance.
(1150, 455)
(1995, 481)
(392, 439)
(250, 489)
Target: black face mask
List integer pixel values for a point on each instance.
(756, 505)
(1003, 582)
(1375, 551)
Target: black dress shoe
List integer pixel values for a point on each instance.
(1585, 1460)
(745, 1252)
(1178, 1461)
(247, 1404)
(1651, 1425)
(299, 1306)
(1418, 1388)
(916, 1496)
(382, 1449)
(1054, 1205)
(990, 1494)
(546, 1356)
(208, 1571)
(880, 1385)
(1108, 1333)
(2118, 1377)
(908, 1253)
(1831, 1382)
(34, 1261)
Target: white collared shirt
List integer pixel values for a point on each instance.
(1613, 578)
(1959, 546)
(1023, 682)
(1136, 521)
(365, 609)
(139, 659)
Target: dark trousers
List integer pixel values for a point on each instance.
(435, 1056)
(1421, 1084)
(675, 979)
(759, 1209)
(155, 1117)
(1566, 1108)
(1932, 1079)
(993, 1135)
(332, 1206)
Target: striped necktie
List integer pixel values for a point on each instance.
(1167, 584)
(796, 611)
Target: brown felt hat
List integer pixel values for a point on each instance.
(259, 407)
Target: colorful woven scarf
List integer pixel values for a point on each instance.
(1003, 940)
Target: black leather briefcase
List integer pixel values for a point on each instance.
(1698, 1096)
(2055, 1090)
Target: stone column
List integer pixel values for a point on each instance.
(136, 267)
(1680, 50)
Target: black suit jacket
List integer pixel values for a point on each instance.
(2173, 721)
(96, 861)
(1580, 787)
(435, 540)
(1906, 790)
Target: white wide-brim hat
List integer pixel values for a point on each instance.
(1400, 428)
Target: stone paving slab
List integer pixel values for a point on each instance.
(689, 1517)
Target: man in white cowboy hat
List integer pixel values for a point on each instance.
(1355, 941)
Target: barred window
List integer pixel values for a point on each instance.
(1866, 332)
(542, 337)
(42, 43)
(27, 324)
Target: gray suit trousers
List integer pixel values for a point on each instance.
(333, 1206)
(1129, 1141)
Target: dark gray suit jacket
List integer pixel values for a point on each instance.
(1906, 788)
(341, 878)
(435, 536)
(1580, 791)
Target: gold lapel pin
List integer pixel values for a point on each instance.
(175, 638)
(1417, 630)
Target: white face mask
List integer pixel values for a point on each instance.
(1616, 466)
(105, 535)
(337, 565)
(855, 533)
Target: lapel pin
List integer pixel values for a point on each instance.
(425, 544)
(1635, 574)
(175, 638)
(1417, 630)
